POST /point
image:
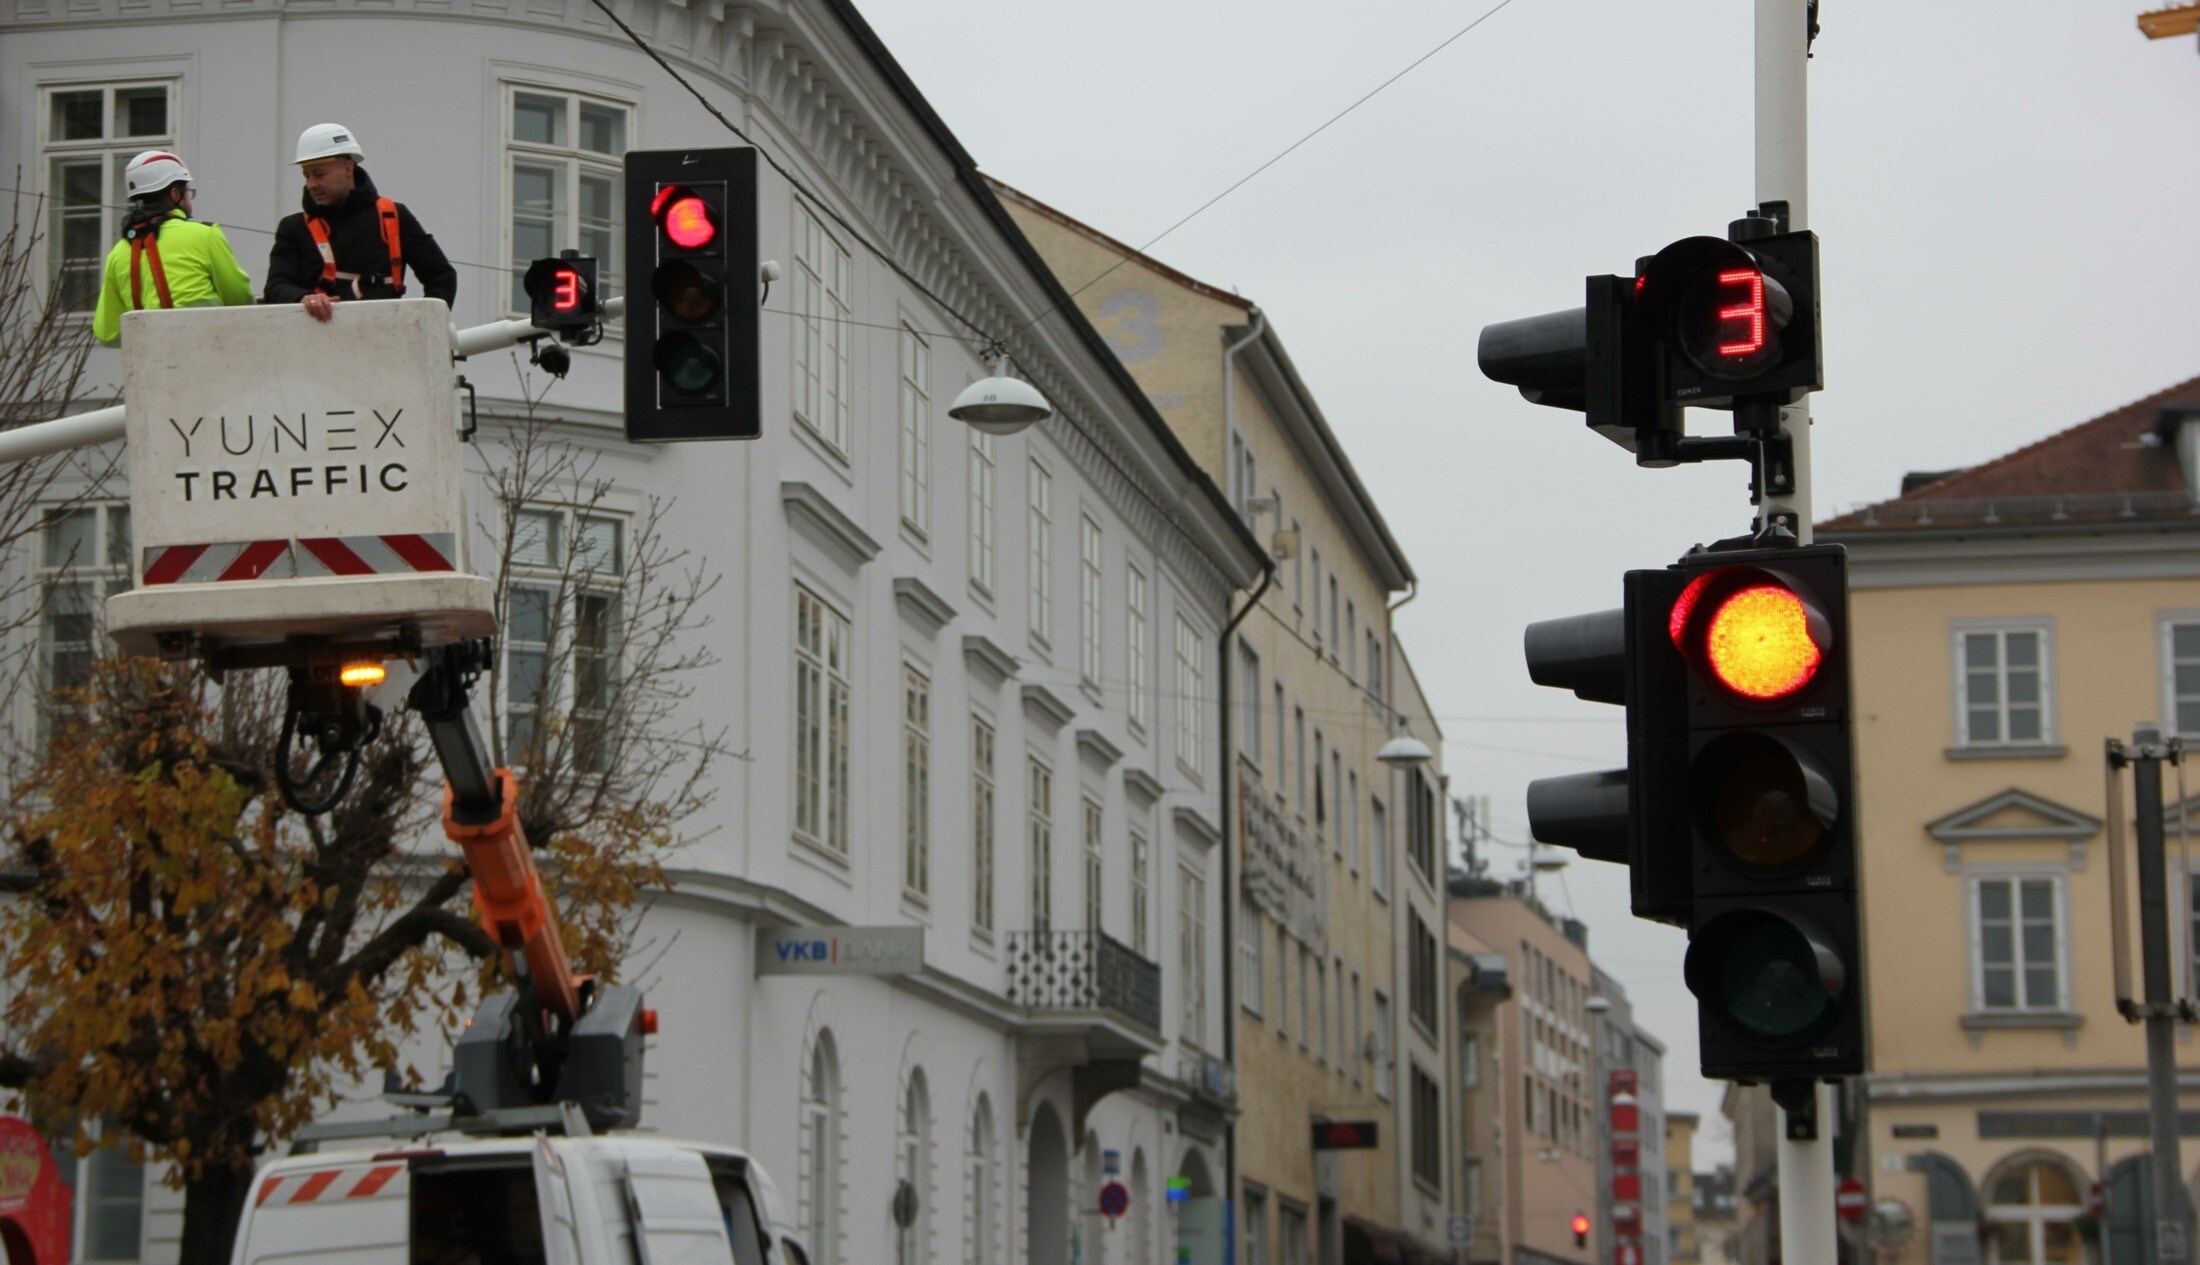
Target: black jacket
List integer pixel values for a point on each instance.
(294, 264)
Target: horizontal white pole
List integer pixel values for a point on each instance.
(84, 430)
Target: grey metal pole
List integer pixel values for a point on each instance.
(1807, 1223)
(2154, 962)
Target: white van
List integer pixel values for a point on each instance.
(539, 1200)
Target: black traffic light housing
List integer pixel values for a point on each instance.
(1769, 812)
(691, 251)
(1600, 359)
(562, 293)
(1736, 321)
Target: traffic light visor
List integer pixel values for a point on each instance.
(1771, 975)
(685, 217)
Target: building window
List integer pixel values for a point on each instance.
(1470, 1188)
(916, 782)
(92, 131)
(823, 286)
(1249, 689)
(1356, 1052)
(1351, 640)
(561, 633)
(1421, 824)
(1298, 760)
(1291, 1233)
(1383, 1039)
(1340, 809)
(980, 1179)
(1334, 638)
(1088, 602)
(1135, 637)
(1040, 821)
(1306, 998)
(2019, 946)
(1298, 569)
(565, 156)
(1094, 880)
(1352, 819)
(1141, 895)
(1191, 696)
(1378, 838)
(821, 722)
(1321, 1010)
(1191, 950)
(2003, 687)
(1283, 980)
(113, 1206)
(1041, 526)
(821, 1146)
(1251, 938)
(1281, 749)
(2181, 675)
(1321, 791)
(981, 824)
(84, 556)
(1256, 1226)
(982, 541)
(915, 1153)
(1428, 1130)
(1374, 671)
(916, 431)
(2030, 1214)
(1421, 967)
(1314, 565)
(1470, 1061)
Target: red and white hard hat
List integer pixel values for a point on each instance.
(153, 171)
(328, 140)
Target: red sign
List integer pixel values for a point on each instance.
(1115, 1200)
(1627, 1186)
(1344, 1135)
(33, 1202)
(1849, 1200)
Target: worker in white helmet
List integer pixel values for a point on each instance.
(348, 241)
(165, 258)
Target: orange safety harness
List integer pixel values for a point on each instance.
(385, 210)
(145, 247)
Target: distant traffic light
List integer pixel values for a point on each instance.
(1581, 1229)
(691, 346)
(561, 292)
(1775, 946)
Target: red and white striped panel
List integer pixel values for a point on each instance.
(376, 555)
(327, 1185)
(233, 560)
(405, 554)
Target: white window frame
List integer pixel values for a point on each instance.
(2058, 882)
(821, 1126)
(823, 301)
(1191, 693)
(574, 167)
(112, 152)
(1039, 838)
(2168, 622)
(984, 823)
(1191, 945)
(984, 528)
(1141, 893)
(916, 783)
(1136, 623)
(821, 741)
(553, 578)
(915, 399)
(1253, 965)
(1095, 882)
(1091, 566)
(1960, 632)
(74, 584)
(1378, 840)
(1039, 523)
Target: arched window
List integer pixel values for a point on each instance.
(821, 1148)
(1085, 1206)
(1141, 1216)
(2029, 1209)
(978, 1185)
(913, 1151)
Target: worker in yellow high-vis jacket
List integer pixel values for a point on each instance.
(165, 258)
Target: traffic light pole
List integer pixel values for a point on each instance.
(1784, 30)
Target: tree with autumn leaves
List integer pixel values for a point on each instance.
(195, 970)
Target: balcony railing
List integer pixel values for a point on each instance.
(1082, 970)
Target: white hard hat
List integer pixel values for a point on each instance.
(153, 171)
(327, 140)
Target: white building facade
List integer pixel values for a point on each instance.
(975, 679)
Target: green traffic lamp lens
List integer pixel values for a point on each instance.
(688, 367)
(1773, 979)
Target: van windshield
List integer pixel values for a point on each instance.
(483, 1214)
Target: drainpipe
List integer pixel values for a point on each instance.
(1258, 327)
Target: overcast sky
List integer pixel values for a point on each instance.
(2005, 194)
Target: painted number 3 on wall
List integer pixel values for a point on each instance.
(1139, 336)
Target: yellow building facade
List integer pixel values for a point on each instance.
(1337, 978)
(2005, 621)
(1680, 1194)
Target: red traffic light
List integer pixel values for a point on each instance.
(1758, 636)
(1580, 1227)
(684, 216)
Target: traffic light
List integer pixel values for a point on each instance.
(691, 336)
(1737, 321)
(1581, 1229)
(561, 292)
(1600, 359)
(1774, 941)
